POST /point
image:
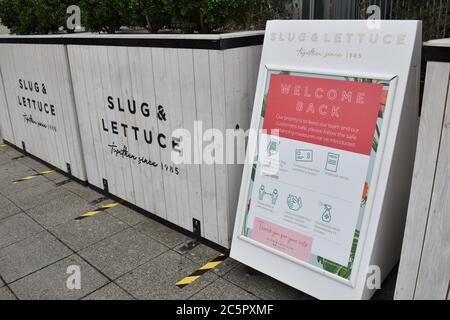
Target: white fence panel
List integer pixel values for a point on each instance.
(40, 114)
(130, 98)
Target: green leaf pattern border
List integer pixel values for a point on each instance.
(321, 262)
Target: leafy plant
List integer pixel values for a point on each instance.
(203, 16)
(109, 15)
(155, 14)
(206, 16)
(33, 16)
(263, 10)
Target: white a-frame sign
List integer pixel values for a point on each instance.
(325, 189)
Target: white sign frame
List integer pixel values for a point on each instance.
(384, 131)
(378, 225)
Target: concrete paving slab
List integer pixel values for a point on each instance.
(263, 286)
(33, 164)
(122, 252)
(55, 176)
(12, 156)
(29, 194)
(50, 283)
(79, 234)
(119, 243)
(3, 147)
(29, 255)
(84, 192)
(11, 151)
(201, 254)
(12, 171)
(17, 228)
(4, 159)
(128, 215)
(7, 208)
(109, 292)
(3, 156)
(14, 188)
(157, 278)
(62, 207)
(222, 289)
(6, 294)
(161, 233)
(62, 180)
(226, 266)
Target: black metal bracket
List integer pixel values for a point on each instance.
(196, 227)
(105, 186)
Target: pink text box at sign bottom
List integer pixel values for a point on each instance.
(282, 239)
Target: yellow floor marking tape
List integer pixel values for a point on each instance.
(94, 212)
(201, 271)
(34, 176)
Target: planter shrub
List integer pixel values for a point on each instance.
(205, 16)
(34, 16)
(109, 16)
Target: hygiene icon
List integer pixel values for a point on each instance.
(294, 202)
(304, 155)
(332, 162)
(326, 215)
(273, 196)
(272, 147)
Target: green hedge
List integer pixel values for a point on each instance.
(204, 16)
(33, 16)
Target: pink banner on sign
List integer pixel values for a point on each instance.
(339, 114)
(288, 241)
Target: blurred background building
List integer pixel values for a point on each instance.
(433, 13)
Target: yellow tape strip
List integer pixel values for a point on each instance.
(89, 214)
(34, 176)
(94, 212)
(111, 205)
(201, 271)
(47, 171)
(187, 280)
(210, 265)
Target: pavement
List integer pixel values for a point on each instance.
(120, 253)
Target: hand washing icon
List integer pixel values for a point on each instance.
(294, 202)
